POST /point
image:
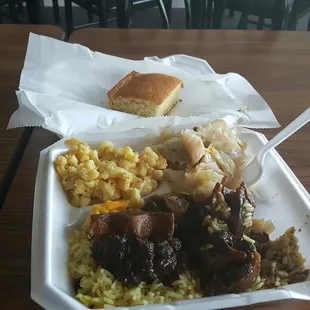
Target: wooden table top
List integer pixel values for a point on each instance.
(14, 39)
(275, 63)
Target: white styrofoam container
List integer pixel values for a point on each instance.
(279, 196)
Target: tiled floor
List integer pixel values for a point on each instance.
(148, 19)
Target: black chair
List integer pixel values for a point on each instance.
(208, 14)
(110, 10)
(299, 9)
(195, 13)
(213, 12)
(15, 6)
(278, 11)
(12, 10)
(188, 14)
(56, 11)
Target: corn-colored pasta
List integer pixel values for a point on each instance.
(108, 173)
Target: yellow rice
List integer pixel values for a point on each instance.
(100, 289)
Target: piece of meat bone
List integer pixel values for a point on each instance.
(248, 274)
(153, 225)
(223, 249)
(235, 279)
(233, 207)
(219, 206)
(216, 201)
(242, 207)
(177, 204)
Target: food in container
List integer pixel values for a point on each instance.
(192, 161)
(149, 94)
(109, 173)
(198, 158)
(175, 248)
(186, 244)
(55, 221)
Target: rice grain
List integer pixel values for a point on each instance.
(99, 288)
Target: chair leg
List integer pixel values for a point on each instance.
(168, 8)
(291, 24)
(130, 13)
(163, 14)
(102, 10)
(123, 11)
(243, 21)
(291, 20)
(68, 17)
(90, 15)
(13, 12)
(279, 14)
(20, 8)
(209, 11)
(34, 11)
(197, 12)
(218, 12)
(288, 11)
(56, 11)
(188, 14)
(308, 26)
(261, 21)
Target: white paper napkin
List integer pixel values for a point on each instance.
(63, 88)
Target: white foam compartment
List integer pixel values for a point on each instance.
(279, 196)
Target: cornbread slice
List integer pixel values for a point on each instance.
(151, 94)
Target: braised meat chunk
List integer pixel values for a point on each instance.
(223, 249)
(213, 237)
(153, 225)
(133, 259)
(137, 246)
(176, 204)
(235, 207)
(235, 278)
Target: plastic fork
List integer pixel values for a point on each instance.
(254, 169)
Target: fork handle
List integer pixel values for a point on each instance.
(296, 124)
